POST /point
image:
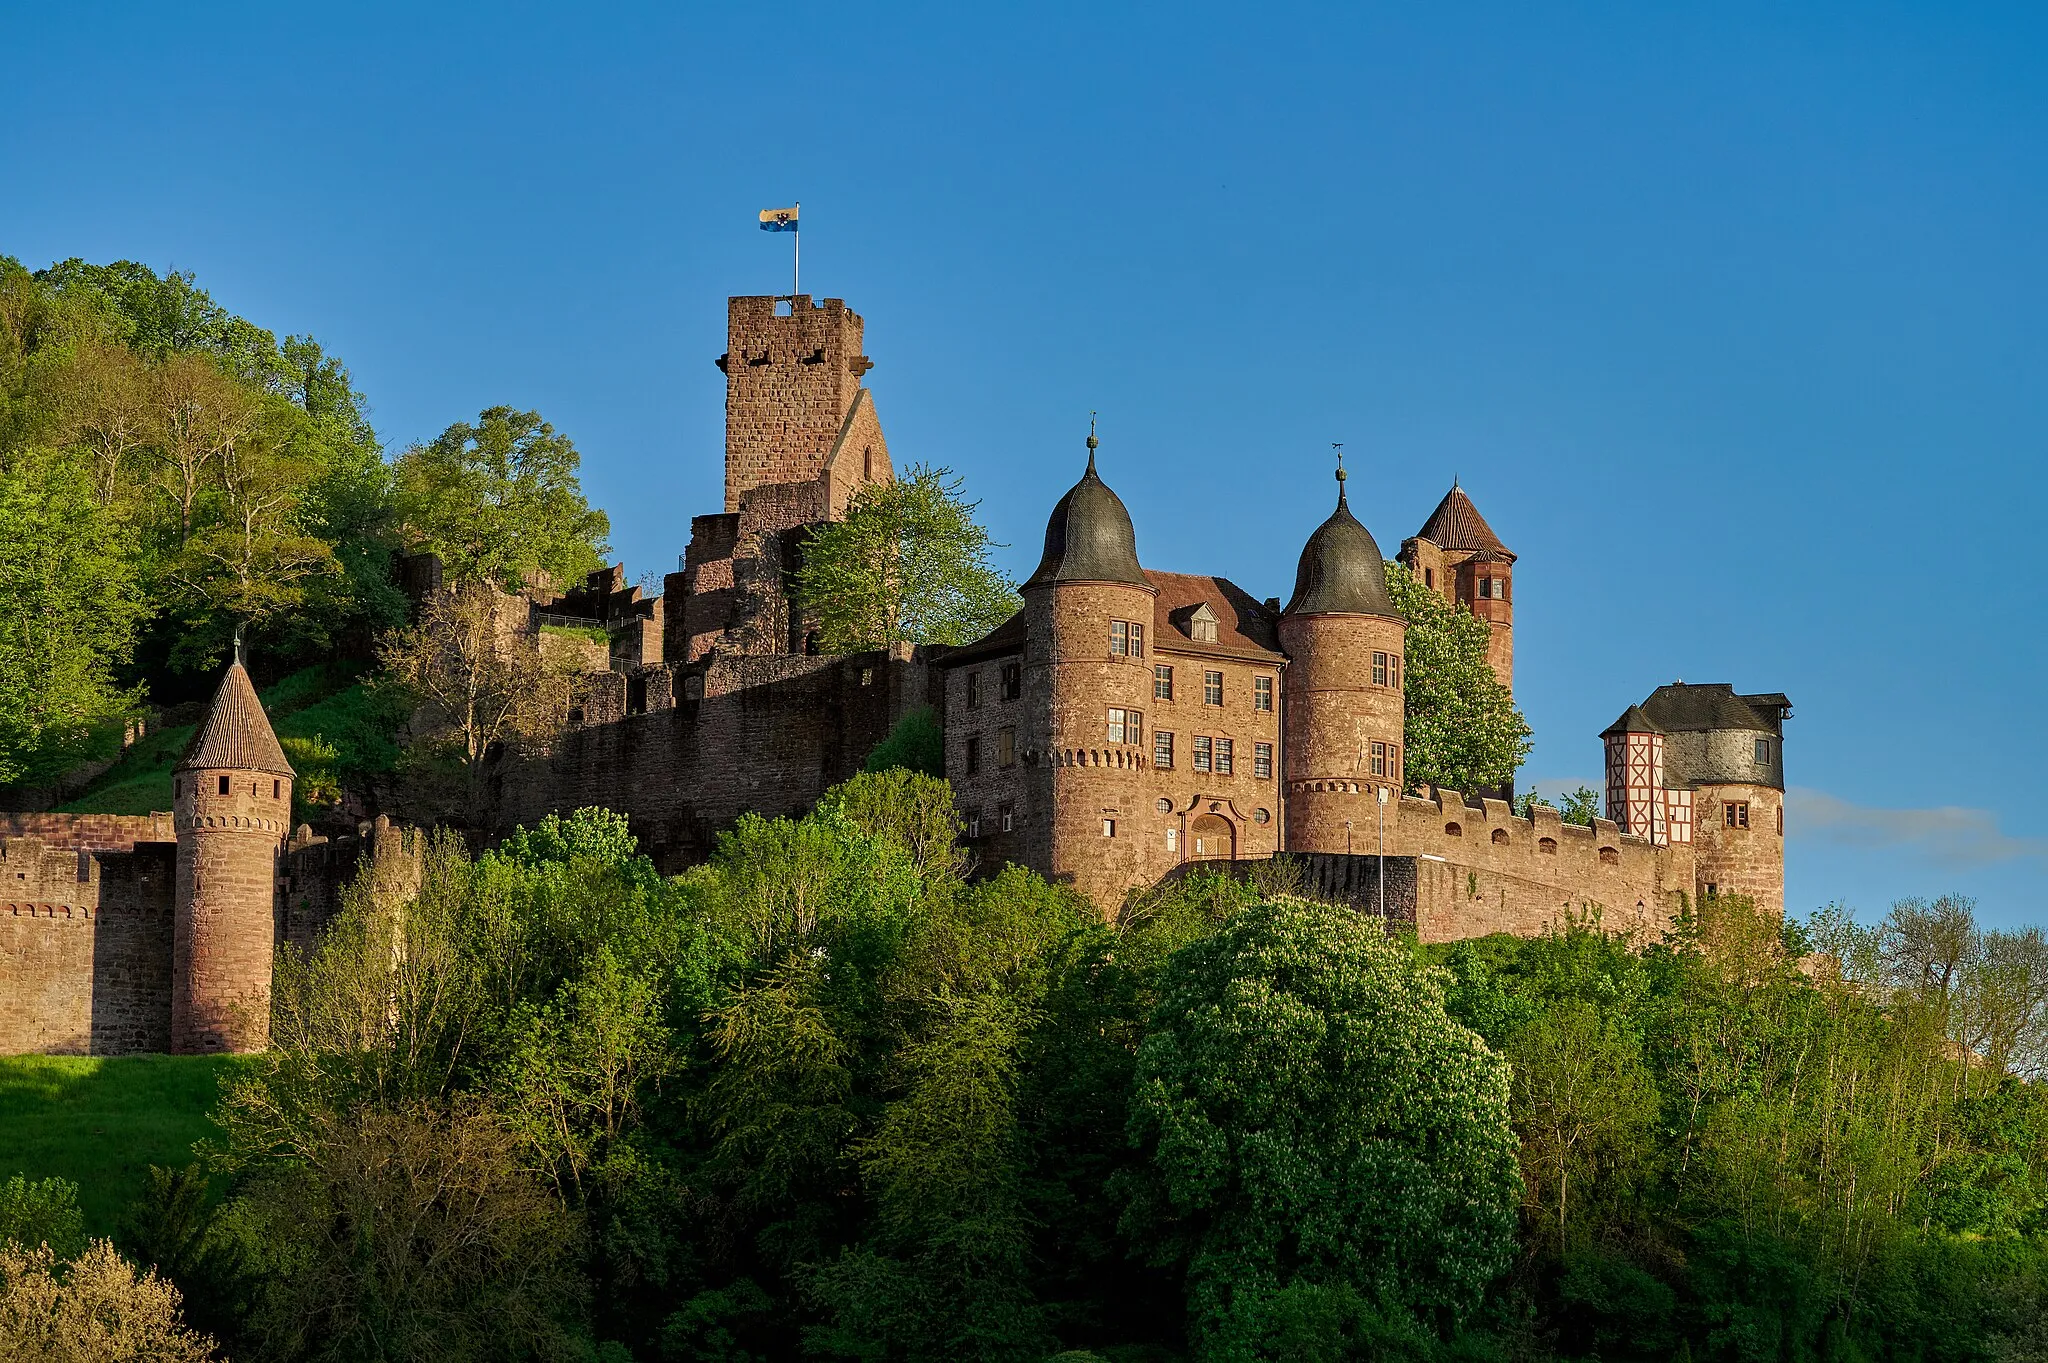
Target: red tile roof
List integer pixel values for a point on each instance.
(1457, 524)
(1243, 625)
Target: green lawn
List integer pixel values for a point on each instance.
(101, 1122)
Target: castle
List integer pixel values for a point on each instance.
(1124, 724)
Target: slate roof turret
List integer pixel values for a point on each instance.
(1341, 571)
(1089, 536)
(1632, 721)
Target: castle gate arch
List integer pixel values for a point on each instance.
(1215, 838)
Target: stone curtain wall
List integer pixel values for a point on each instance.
(93, 832)
(85, 947)
(1498, 873)
(762, 734)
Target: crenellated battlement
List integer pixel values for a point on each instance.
(1484, 869)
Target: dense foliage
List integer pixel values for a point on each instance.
(828, 1097)
(908, 562)
(1463, 730)
(172, 475)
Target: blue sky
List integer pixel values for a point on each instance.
(1733, 320)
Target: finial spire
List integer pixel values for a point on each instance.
(1338, 446)
(1092, 442)
(239, 659)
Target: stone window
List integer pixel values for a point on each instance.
(276, 790)
(1126, 726)
(1223, 757)
(1162, 749)
(1379, 759)
(1202, 624)
(1202, 752)
(1262, 816)
(1109, 828)
(1610, 857)
(223, 785)
(1547, 846)
(1429, 577)
(1262, 761)
(973, 755)
(1013, 680)
(1735, 813)
(1452, 830)
(1379, 669)
(1162, 682)
(1173, 840)
(1163, 805)
(973, 823)
(1212, 688)
(1126, 639)
(974, 690)
(1781, 821)
(1006, 746)
(1394, 761)
(1394, 670)
(1006, 817)
(1500, 836)
(1763, 752)
(1262, 693)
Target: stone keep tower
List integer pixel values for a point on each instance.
(1728, 751)
(232, 797)
(1344, 732)
(792, 391)
(1457, 555)
(1088, 611)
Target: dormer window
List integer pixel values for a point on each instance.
(1202, 625)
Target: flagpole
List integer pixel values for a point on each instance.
(796, 257)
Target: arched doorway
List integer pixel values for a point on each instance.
(1215, 839)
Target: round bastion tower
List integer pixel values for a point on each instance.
(1088, 681)
(232, 794)
(1344, 730)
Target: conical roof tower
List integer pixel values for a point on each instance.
(237, 734)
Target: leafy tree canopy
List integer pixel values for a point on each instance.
(499, 499)
(909, 562)
(1313, 1118)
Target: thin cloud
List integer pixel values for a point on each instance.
(1951, 835)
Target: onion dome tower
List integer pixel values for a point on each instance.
(232, 796)
(1088, 675)
(1345, 640)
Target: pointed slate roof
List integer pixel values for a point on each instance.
(236, 734)
(1632, 721)
(1457, 524)
(1089, 536)
(1341, 571)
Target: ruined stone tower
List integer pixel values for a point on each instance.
(232, 802)
(795, 408)
(1345, 718)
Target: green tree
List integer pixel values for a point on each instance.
(1464, 732)
(909, 562)
(500, 500)
(1584, 1108)
(1311, 1116)
(70, 606)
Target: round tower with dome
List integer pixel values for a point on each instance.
(232, 802)
(1344, 722)
(1087, 683)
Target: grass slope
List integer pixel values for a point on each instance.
(101, 1122)
(316, 702)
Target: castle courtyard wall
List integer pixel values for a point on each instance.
(85, 948)
(1500, 873)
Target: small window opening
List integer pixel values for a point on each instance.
(1452, 830)
(277, 789)
(223, 785)
(1109, 828)
(1500, 837)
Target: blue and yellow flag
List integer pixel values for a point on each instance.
(778, 219)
